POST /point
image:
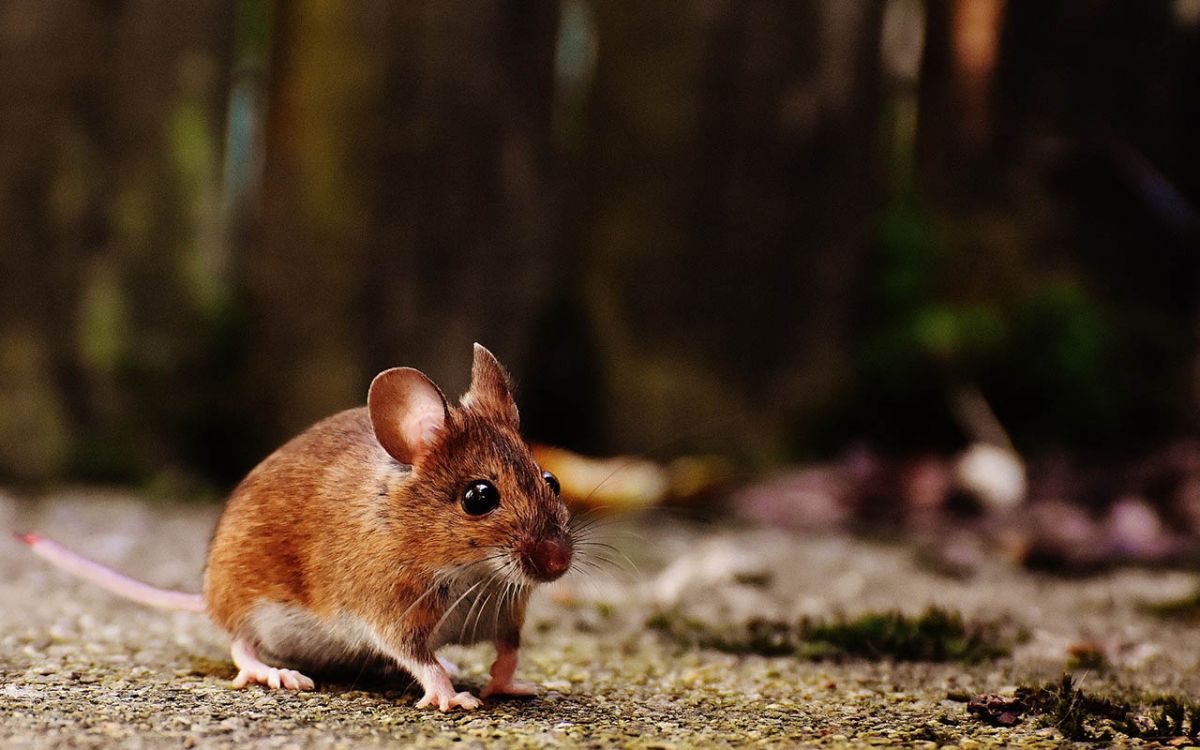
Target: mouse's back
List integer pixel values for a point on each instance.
(281, 519)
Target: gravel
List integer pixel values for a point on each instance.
(80, 669)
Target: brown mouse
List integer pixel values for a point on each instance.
(377, 536)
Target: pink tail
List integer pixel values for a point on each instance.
(109, 579)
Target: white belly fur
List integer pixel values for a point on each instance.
(292, 636)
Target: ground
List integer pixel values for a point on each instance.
(79, 668)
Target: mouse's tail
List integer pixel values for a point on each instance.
(109, 579)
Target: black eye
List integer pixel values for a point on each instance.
(552, 481)
(480, 498)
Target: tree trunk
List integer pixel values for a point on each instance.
(406, 198)
(735, 174)
(109, 157)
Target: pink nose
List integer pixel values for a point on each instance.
(547, 560)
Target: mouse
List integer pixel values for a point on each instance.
(377, 536)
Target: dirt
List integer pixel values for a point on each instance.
(80, 669)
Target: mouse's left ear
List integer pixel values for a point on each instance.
(407, 411)
(491, 389)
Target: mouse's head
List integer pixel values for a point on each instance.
(488, 501)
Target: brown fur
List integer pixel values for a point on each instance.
(333, 524)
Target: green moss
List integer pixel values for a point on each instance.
(1184, 608)
(661, 621)
(934, 635)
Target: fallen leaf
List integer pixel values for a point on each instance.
(999, 710)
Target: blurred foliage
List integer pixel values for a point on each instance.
(762, 229)
(1058, 362)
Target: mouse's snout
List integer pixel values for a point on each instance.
(545, 559)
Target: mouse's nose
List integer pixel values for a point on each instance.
(546, 559)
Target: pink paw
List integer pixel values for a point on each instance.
(445, 700)
(512, 687)
(272, 677)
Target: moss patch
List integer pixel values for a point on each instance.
(934, 635)
(1184, 608)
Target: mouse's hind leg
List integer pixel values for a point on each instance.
(252, 670)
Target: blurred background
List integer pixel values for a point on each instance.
(864, 235)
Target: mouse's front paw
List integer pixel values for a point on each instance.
(445, 700)
(509, 687)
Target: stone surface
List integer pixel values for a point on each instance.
(80, 669)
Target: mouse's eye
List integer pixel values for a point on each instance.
(552, 481)
(480, 498)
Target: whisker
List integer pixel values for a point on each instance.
(588, 566)
(593, 563)
(593, 529)
(595, 589)
(593, 543)
(418, 600)
(619, 468)
(455, 604)
(622, 563)
(462, 630)
(597, 522)
(479, 616)
(504, 592)
(607, 537)
(616, 565)
(594, 532)
(590, 515)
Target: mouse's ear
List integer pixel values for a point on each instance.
(491, 389)
(407, 410)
